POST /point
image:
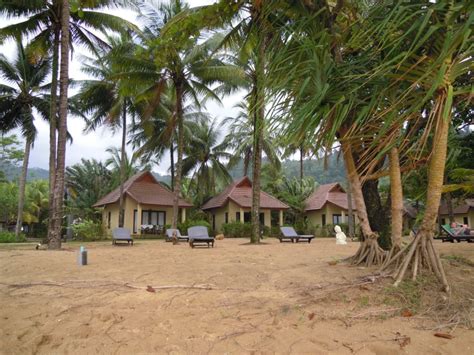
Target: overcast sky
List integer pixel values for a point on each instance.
(94, 145)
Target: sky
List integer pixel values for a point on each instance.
(94, 145)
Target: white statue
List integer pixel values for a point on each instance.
(340, 236)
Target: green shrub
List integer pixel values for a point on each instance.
(9, 237)
(88, 231)
(237, 230)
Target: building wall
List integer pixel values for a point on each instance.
(129, 206)
(232, 208)
(460, 218)
(329, 209)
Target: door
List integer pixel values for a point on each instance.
(135, 221)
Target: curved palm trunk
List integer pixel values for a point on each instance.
(179, 165)
(21, 192)
(53, 110)
(369, 252)
(122, 164)
(55, 235)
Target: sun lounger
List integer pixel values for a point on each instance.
(199, 235)
(288, 234)
(169, 235)
(451, 237)
(121, 235)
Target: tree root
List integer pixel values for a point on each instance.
(417, 256)
(369, 253)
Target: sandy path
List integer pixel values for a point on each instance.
(264, 300)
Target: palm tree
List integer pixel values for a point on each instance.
(25, 79)
(187, 68)
(125, 168)
(205, 158)
(240, 140)
(107, 98)
(87, 182)
(44, 23)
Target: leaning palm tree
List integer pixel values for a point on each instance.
(205, 159)
(23, 91)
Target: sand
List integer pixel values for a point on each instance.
(271, 298)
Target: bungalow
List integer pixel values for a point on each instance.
(148, 205)
(463, 210)
(235, 202)
(328, 205)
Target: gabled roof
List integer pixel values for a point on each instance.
(240, 192)
(459, 206)
(333, 193)
(145, 189)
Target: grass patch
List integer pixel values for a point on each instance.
(409, 293)
(457, 260)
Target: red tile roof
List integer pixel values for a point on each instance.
(333, 193)
(459, 206)
(145, 189)
(240, 191)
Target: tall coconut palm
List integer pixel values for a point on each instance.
(43, 25)
(107, 98)
(23, 91)
(187, 67)
(54, 239)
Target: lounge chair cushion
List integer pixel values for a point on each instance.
(121, 234)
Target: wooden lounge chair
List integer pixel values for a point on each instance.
(121, 235)
(288, 234)
(451, 237)
(199, 235)
(169, 235)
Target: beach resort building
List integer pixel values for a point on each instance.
(148, 205)
(235, 202)
(328, 204)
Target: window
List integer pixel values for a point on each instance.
(247, 217)
(443, 221)
(465, 221)
(323, 219)
(109, 217)
(156, 218)
(336, 219)
(237, 216)
(213, 222)
(262, 218)
(226, 217)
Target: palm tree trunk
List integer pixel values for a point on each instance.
(301, 167)
(259, 121)
(172, 165)
(122, 163)
(179, 165)
(53, 109)
(421, 253)
(350, 211)
(369, 252)
(21, 192)
(55, 241)
(396, 192)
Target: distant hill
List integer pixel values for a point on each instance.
(335, 172)
(12, 172)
